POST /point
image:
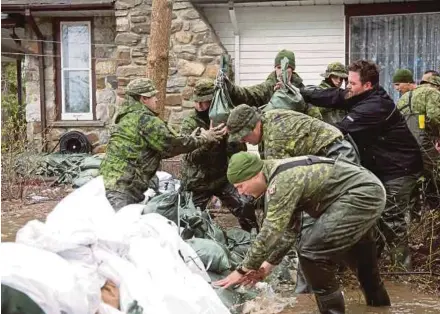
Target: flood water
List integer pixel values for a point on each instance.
(403, 300)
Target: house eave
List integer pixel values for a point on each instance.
(19, 8)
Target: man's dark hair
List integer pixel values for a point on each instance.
(434, 72)
(368, 71)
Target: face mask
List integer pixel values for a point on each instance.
(204, 115)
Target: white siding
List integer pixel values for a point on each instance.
(315, 33)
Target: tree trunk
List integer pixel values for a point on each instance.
(159, 44)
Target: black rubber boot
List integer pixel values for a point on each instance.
(301, 286)
(362, 259)
(332, 303)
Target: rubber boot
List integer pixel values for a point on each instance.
(362, 259)
(401, 258)
(332, 303)
(301, 286)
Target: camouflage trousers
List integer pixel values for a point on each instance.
(334, 238)
(240, 206)
(393, 224)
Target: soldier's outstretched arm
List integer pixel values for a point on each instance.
(283, 247)
(165, 141)
(328, 98)
(254, 96)
(283, 195)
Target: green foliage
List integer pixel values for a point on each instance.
(13, 115)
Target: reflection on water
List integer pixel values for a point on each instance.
(403, 301)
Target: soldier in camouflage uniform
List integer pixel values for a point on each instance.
(204, 169)
(333, 77)
(138, 142)
(287, 133)
(259, 95)
(403, 81)
(421, 108)
(345, 199)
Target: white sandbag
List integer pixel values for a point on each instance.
(104, 308)
(44, 276)
(132, 284)
(81, 212)
(70, 231)
(188, 294)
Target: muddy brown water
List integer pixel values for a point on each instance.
(403, 300)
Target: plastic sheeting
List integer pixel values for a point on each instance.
(154, 269)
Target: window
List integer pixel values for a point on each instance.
(76, 71)
(410, 41)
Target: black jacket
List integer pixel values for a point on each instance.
(386, 145)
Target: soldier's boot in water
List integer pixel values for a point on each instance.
(332, 303)
(320, 274)
(301, 286)
(401, 257)
(362, 259)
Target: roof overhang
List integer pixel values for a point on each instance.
(59, 7)
(247, 3)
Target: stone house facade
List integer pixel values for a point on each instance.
(91, 55)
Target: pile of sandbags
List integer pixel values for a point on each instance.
(85, 249)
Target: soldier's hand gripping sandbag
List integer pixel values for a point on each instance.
(221, 103)
(286, 96)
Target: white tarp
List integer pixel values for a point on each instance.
(142, 254)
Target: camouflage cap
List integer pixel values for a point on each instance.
(203, 91)
(242, 120)
(336, 69)
(285, 54)
(141, 86)
(433, 80)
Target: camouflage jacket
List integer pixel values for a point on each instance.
(331, 115)
(138, 142)
(205, 168)
(425, 100)
(288, 133)
(260, 94)
(312, 189)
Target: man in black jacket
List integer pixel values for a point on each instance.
(386, 147)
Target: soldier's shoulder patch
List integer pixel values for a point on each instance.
(271, 190)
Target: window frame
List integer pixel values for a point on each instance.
(59, 77)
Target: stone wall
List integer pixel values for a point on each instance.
(106, 84)
(194, 51)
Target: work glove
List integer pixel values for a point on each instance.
(213, 134)
(195, 132)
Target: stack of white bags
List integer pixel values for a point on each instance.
(63, 263)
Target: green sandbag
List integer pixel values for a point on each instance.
(181, 210)
(17, 302)
(214, 255)
(84, 177)
(288, 96)
(221, 103)
(239, 241)
(233, 299)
